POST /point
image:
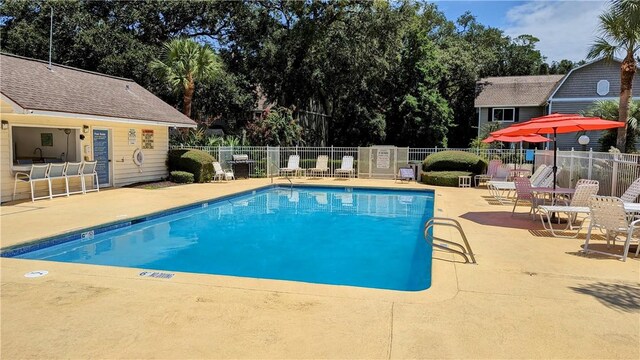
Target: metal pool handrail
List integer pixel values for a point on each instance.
(464, 250)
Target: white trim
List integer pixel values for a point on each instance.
(15, 167)
(105, 118)
(503, 108)
(479, 119)
(16, 108)
(589, 99)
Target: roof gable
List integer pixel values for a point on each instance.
(515, 90)
(30, 84)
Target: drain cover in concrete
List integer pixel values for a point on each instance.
(37, 273)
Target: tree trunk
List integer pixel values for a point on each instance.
(627, 71)
(188, 97)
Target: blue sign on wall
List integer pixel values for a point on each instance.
(101, 154)
(529, 155)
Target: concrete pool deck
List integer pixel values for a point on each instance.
(530, 296)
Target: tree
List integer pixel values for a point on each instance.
(185, 62)
(276, 127)
(620, 33)
(610, 110)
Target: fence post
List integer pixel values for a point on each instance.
(614, 177)
(590, 164)
(331, 161)
(571, 168)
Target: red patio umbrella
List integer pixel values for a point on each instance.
(517, 138)
(558, 124)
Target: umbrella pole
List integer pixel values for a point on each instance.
(555, 158)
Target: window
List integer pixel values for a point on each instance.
(602, 88)
(32, 144)
(504, 114)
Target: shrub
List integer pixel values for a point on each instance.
(197, 162)
(443, 178)
(454, 161)
(181, 177)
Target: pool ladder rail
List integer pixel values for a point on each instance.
(465, 251)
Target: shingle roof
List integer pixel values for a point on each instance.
(516, 90)
(30, 84)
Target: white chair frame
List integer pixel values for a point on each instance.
(608, 214)
(37, 173)
(89, 169)
(57, 172)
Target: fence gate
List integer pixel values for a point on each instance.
(273, 161)
(381, 162)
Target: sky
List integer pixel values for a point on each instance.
(565, 28)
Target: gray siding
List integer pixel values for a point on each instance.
(582, 82)
(573, 107)
(524, 114)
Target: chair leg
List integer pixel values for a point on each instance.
(626, 246)
(32, 194)
(50, 189)
(97, 182)
(83, 183)
(586, 241)
(15, 185)
(66, 183)
(514, 207)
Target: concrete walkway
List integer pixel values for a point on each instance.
(531, 296)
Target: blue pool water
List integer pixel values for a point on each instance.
(358, 237)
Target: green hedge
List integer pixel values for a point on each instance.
(181, 177)
(197, 162)
(443, 178)
(454, 161)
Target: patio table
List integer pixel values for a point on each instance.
(553, 192)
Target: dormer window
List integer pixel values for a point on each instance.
(603, 87)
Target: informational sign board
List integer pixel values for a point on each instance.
(132, 136)
(383, 158)
(147, 139)
(101, 154)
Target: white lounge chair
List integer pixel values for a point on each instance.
(293, 165)
(73, 170)
(89, 169)
(222, 174)
(608, 214)
(501, 190)
(632, 192)
(322, 165)
(37, 173)
(346, 167)
(579, 205)
(56, 172)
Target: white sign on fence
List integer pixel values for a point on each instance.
(383, 159)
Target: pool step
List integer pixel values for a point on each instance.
(465, 251)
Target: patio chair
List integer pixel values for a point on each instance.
(608, 214)
(579, 205)
(491, 171)
(37, 173)
(221, 174)
(632, 192)
(322, 165)
(501, 190)
(346, 167)
(524, 192)
(73, 170)
(541, 170)
(293, 165)
(56, 172)
(89, 169)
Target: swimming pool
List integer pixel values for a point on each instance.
(343, 236)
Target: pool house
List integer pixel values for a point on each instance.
(54, 114)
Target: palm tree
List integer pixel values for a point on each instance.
(610, 110)
(184, 62)
(620, 33)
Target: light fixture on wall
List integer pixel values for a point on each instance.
(584, 141)
(5, 125)
(85, 128)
